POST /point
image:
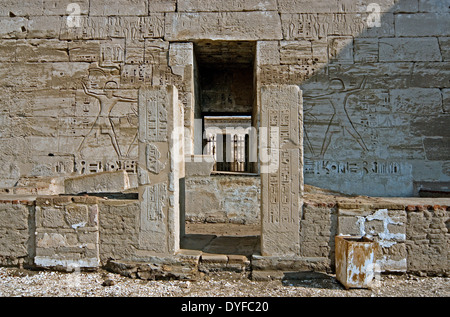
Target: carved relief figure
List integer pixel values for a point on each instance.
(103, 122)
(340, 120)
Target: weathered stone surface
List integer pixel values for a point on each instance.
(333, 6)
(41, 51)
(239, 5)
(437, 149)
(177, 267)
(105, 182)
(65, 7)
(199, 165)
(422, 24)
(409, 49)
(434, 6)
(423, 249)
(222, 198)
(122, 7)
(161, 158)
(238, 26)
(386, 227)
(281, 182)
(15, 232)
(67, 234)
(119, 232)
(416, 101)
(162, 6)
(297, 26)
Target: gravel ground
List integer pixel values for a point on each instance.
(22, 283)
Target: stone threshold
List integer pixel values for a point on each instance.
(192, 264)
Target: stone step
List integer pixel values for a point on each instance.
(190, 264)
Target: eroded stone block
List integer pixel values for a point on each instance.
(161, 168)
(409, 49)
(122, 7)
(239, 5)
(104, 182)
(223, 26)
(281, 180)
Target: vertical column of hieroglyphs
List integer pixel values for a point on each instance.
(160, 167)
(281, 169)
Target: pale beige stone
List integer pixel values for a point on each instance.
(162, 6)
(223, 26)
(235, 5)
(105, 182)
(121, 7)
(42, 51)
(281, 182)
(161, 158)
(267, 53)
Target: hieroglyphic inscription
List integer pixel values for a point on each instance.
(153, 155)
(311, 25)
(131, 28)
(328, 167)
(156, 198)
(281, 184)
(154, 115)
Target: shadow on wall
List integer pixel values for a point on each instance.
(375, 89)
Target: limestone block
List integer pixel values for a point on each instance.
(340, 49)
(434, 6)
(15, 27)
(36, 75)
(246, 26)
(281, 182)
(84, 51)
(66, 233)
(43, 27)
(199, 165)
(422, 24)
(41, 51)
(267, 53)
(180, 56)
(307, 6)
(238, 5)
(383, 6)
(161, 161)
(366, 50)
(61, 7)
(91, 27)
(66, 75)
(8, 50)
(104, 182)
(444, 43)
(121, 7)
(409, 49)
(162, 6)
(298, 26)
(437, 149)
(430, 75)
(416, 101)
(446, 100)
(295, 52)
(14, 8)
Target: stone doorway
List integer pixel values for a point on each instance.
(225, 101)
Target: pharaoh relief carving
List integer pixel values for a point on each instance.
(340, 121)
(109, 134)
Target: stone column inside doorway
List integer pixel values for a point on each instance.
(161, 168)
(281, 166)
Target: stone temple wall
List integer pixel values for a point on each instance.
(374, 77)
